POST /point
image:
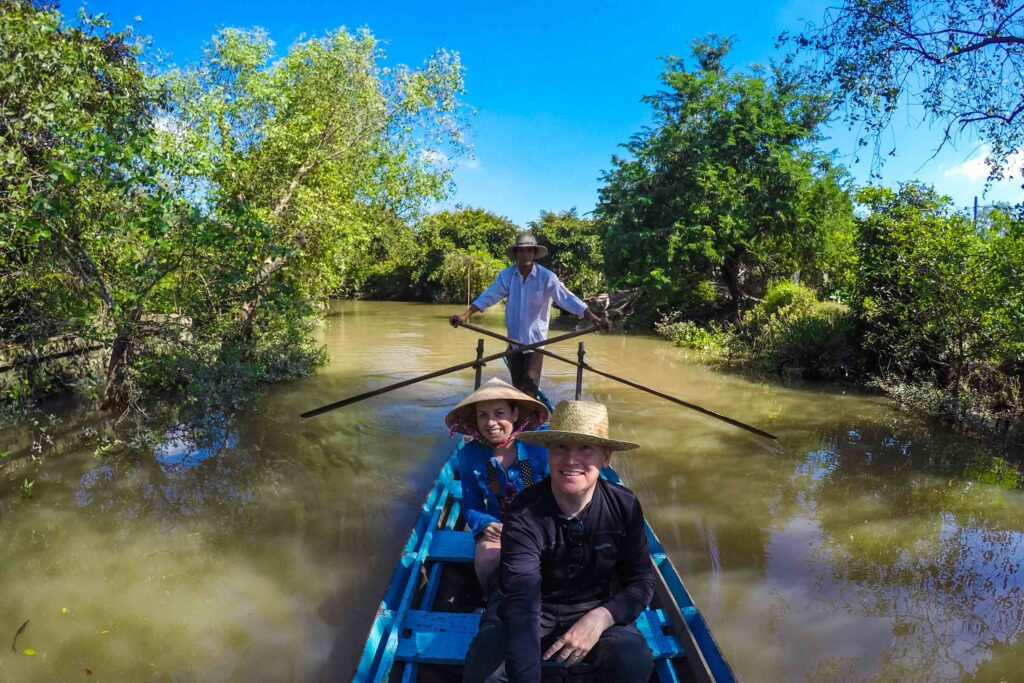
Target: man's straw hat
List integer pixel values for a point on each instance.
(578, 422)
(525, 239)
(492, 389)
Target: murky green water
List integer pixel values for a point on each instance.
(866, 545)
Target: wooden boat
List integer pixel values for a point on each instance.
(427, 618)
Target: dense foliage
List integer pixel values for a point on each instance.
(793, 331)
(958, 62)
(574, 247)
(458, 253)
(191, 224)
(723, 188)
(187, 227)
(941, 301)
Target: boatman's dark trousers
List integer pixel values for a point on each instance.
(525, 370)
(620, 656)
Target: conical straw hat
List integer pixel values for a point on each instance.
(492, 389)
(583, 422)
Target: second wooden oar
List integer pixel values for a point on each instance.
(585, 366)
(461, 366)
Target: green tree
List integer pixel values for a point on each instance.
(723, 187)
(939, 300)
(457, 249)
(92, 235)
(574, 246)
(958, 62)
(311, 158)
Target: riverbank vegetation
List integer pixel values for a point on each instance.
(175, 233)
(187, 224)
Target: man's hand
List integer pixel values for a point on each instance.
(572, 646)
(463, 317)
(492, 532)
(600, 322)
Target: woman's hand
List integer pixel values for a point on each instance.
(576, 643)
(492, 532)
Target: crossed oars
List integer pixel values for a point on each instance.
(586, 366)
(461, 366)
(517, 348)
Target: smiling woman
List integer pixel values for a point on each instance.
(493, 466)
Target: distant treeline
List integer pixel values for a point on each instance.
(193, 222)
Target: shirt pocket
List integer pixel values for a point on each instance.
(604, 547)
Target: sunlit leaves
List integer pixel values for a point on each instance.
(724, 186)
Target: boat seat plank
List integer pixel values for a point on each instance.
(452, 546)
(444, 637)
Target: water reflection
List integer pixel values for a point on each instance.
(183, 447)
(865, 545)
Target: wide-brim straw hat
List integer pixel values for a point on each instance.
(491, 390)
(527, 240)
(578, 422)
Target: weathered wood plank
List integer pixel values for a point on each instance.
(452, 546)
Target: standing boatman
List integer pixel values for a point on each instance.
(530, 288)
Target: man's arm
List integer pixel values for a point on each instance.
(520, 609)
(565, 299)
(463, 317)
(492, 295)
(636, 571)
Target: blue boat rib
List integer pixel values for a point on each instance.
(682, 644)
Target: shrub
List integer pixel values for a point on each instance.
(688, 334)
(792, 330)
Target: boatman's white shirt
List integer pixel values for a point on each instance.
(529, 302)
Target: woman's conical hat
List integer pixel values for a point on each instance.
(584, 422)
(490, 390)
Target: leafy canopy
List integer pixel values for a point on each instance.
(724, 186)
(574, 250)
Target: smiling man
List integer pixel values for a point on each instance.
(563, 541)
(529, 288)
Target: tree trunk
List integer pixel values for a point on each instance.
(115, 389)
(731, 275)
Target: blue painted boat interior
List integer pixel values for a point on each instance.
(410, 631)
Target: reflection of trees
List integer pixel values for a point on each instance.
(913, 537)
(919, 526)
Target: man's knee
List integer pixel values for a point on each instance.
(623, 655)
(488, 557)
(485, 660)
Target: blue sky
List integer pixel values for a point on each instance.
(556, 86)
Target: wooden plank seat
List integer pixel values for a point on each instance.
(444, 637)
(451, 546)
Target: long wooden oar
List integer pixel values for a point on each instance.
(585, 366)
(461, 366)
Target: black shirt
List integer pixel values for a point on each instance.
(542, 563)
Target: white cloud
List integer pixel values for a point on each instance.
(967, 180)
(978, 168)
(434, 156)
(168, 124)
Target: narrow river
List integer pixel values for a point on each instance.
(866, 545)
